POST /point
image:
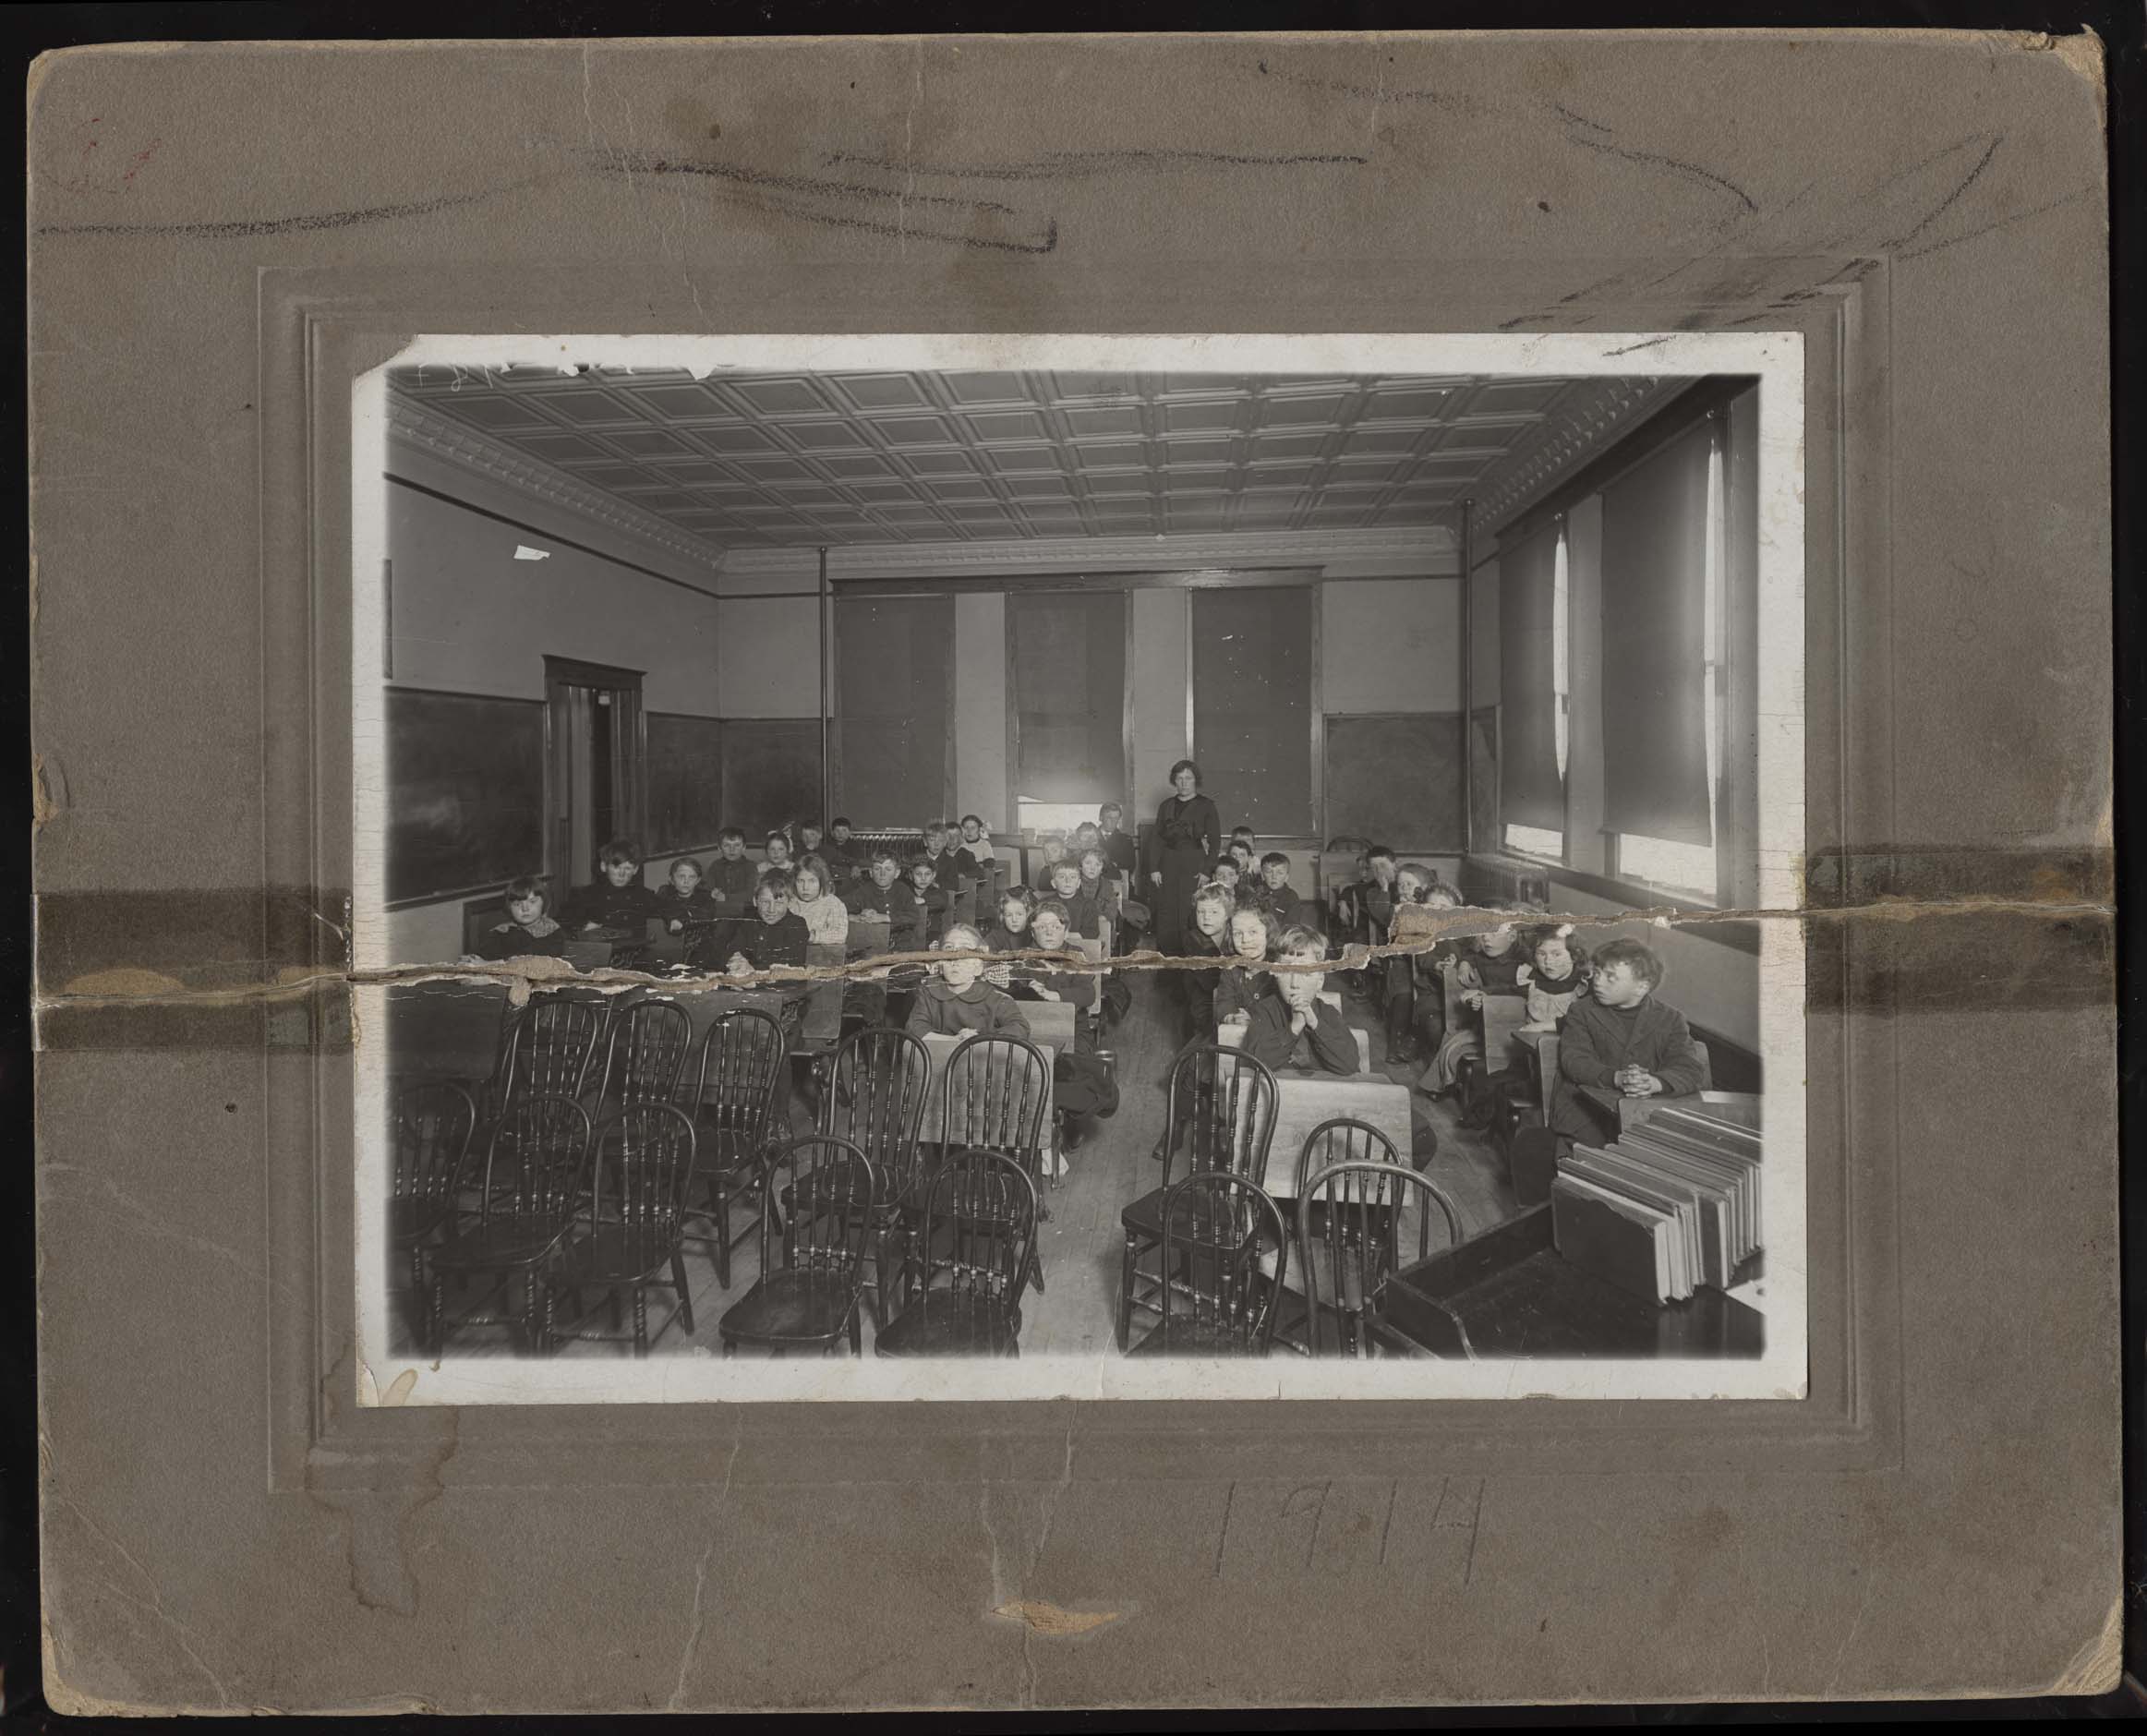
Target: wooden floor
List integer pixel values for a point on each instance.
(1081, 1244)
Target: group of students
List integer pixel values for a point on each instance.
(740, 917)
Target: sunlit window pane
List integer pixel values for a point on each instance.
(1535, 840)
(1673, 867)
(1054, 817)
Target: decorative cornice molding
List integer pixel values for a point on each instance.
(459, 444)
(1366, 552)
(1626, 402)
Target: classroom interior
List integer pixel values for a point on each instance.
(1506, 625)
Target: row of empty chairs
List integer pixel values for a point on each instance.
(557, 1194)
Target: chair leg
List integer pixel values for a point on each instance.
(719, 1189)
(435, 1319)
(685, 1300)
(857, 1330)
(1126, 1296)
(617, 1322)
(640, 1321)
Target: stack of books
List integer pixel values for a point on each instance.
(1667, 1206)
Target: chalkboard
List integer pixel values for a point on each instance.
(771, 773)
(1252, 710)
(1396, 780)
(465, 792)
(685, 781)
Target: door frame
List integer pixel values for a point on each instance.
(629, 758)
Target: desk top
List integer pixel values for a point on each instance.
(1510, 1292)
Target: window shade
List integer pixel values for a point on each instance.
(1654, 608)
(1530, 791)
(1252, 707)
(894, 704)
(1068, 664)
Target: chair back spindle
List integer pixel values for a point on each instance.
(1223, 1226)
(646, 1055)
(1221, 1109)
(1353, 1222)
(430, 1138)
(876, 1099)
(644, 1166)
(821, 1195)
(536, 1163)
(993, 1099)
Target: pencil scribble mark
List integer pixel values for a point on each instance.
(1998, 223)
(1223, 1535)
(1946, 204)
(305, 222)
(1455, 101)
(1067, 165)
(812, 198)
(1676, 165)
(1386, 1526)
(1567, 115)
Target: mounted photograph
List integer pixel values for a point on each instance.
(1146, 867)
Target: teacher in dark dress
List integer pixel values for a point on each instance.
(1186, 841)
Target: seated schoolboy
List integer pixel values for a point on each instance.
(769, 939)
(917, 906)
(1293, 1024)
(527, 932)
(1240, 851)
(1086, 837)
(977, 850)
(1246, 835)
(1416, 996)
(1375, 892)
(955, 998)
(1053, 853)
(844, 856)
(1010, 933)
(1081, 910)
(1240, 986)
(1275, 890)
(616, 901)
(874, 894)
(1489, 965)
(811, 836)
(1619, 1035)
(1083, 1086)
(683, 901)
(778, 852)
(1117, 846)
(1226, 873)
(732, 875)
(1209, 936)
(813, 897)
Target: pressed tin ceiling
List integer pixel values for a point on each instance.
(773, 461)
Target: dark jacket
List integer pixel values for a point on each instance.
(1595, 1040)
(939, 1011)
(766, 946)
(694, 908)
(1240, 990)
(1120, 851)
(628, 907)
(917, 918)
(1281, 901)
(511, 940)
(865, 899)
(729, 885)
(1327, 1044)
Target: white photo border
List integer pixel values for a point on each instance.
(1776, 358)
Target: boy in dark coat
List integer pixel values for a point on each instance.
(1291, 1025)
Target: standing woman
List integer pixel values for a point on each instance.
(1188, 834)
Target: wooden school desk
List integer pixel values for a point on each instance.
(1304, 1100)
(1509, 1291)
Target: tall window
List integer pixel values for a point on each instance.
(894, 707)
(1534, 683)
(1066, 661)
(1252, 705)
(1665, 568)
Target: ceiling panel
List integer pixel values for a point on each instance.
(863, 457)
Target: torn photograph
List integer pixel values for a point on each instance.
(943, 867)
